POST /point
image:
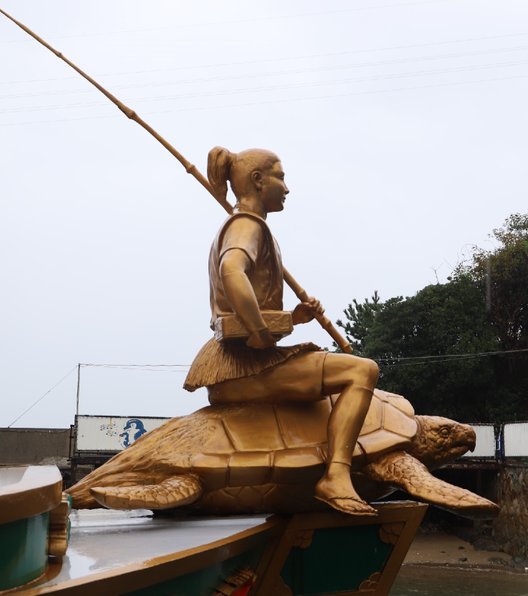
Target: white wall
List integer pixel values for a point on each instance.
(112, 433)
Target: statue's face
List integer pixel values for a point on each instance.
(274, 189)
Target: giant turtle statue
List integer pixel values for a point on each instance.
(267, 458)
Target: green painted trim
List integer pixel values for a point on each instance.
(337, 560)
(23, 550)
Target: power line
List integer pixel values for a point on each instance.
(42, 396)
(279, 100)
(147, 367)
(289, 72)
(389, 362)
(132, 365)
(261, 18)
(142, 367)
(216, 65)
(495, 353)
(442, 358)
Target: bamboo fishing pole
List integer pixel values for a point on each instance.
(190, 168)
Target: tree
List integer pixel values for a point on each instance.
(360, 318)
(503, 274)
(435, 347)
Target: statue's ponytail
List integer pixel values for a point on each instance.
(219, 162)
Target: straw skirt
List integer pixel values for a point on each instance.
(224, 361)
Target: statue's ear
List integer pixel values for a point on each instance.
(256, 179)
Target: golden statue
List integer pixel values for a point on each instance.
(246, 278)
(289, 427)
(286, 424)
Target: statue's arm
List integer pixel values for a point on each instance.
(234, 268)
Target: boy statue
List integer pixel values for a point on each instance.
(246, 278)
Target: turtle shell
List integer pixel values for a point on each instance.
(390, 423)
(257, 444)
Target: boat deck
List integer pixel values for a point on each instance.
(102, 540)
(109, 548)
(131, 552)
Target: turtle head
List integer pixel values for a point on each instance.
(441, 440)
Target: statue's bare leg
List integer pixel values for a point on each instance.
(300, 379)
(354, 378)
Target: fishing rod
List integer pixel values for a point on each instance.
(190, 168)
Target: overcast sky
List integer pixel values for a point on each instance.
(402, 127)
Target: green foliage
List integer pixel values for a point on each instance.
(360, 318)
(502, 274)
(432, 347)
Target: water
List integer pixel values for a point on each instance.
(442, 581)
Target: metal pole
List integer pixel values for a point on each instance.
(78, 389)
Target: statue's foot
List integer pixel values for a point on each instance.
(349, 505)
(337, 491)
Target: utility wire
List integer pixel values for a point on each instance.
(390, 362)
(275, 87)
(404, 359)
(43, 396)
(261, 18)
(277, 101)
(195, 67)
(279, 73)
(121, 366)
(441, 358)
(495, 353)
(142, 367)
(132, 365)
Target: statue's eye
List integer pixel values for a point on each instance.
(444, 432)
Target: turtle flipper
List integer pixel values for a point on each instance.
(401, 470)
(173, 492)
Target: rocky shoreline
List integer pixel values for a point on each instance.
(438, 548)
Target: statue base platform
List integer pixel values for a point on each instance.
(33, 523)
(131, 552)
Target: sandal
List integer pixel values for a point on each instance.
(362, 508)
